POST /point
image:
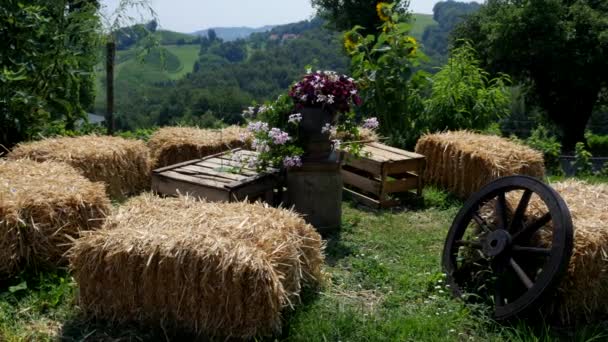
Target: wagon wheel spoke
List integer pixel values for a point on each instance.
(521, 274)
(530, 229)
(518, 217)
(499, 299)
(468, 243)
(481, 222)
(532, 250)
(501, 211)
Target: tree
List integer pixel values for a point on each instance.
(48, 56)
(344, 15)
(559, 46)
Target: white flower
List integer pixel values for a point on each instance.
(321, 98)
(295, 118)
(336, 144)
(330, 99)
(353, 92)
(304, 98)
(309, 71)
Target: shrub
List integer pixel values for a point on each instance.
(542, 140)
(598, 144)
(582, 160)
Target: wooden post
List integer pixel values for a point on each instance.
(110, 57)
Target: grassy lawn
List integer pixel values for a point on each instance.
(384, 284)
(420, 23)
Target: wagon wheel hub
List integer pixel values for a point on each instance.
(510, 245)
(496, 243)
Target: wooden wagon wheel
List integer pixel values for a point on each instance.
(509, 256)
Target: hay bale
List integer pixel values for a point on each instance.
(122, 165)
(583, 294)
(43, 206)
(172, 145)
(463, 162)
(224, 269)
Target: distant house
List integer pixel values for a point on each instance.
(288, 36)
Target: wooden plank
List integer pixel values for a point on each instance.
(382, 154)
(170, 167)
(364, 164)
(405, 153)
(360, 182)
(357, 197)
(401, 185)
(211, 172)
(403, 166)
(370, 153)
(172, 187)
(194, 180)
(217, 164)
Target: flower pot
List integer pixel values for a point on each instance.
(316, 143)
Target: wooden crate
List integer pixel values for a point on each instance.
(217, 178)
(380, 171)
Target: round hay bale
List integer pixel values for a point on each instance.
(122, 164)
(463, 162)
(173, 145)
(221, 269)
(43, 207)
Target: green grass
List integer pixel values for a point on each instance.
(421, 22)
(384, 284)
(187, 55)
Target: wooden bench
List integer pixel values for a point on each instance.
(379, 171)
(217, 178)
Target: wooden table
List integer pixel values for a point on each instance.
(379, 171)
(217, 178)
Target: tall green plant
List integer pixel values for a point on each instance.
(48, 53)
(384, 65)
(463, 96)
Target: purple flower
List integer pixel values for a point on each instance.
(371, 123)
(257, 127)
(295, 118)
(279, 137)
(294, 161)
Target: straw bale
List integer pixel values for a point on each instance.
(463, 162)
(365, 135)
(172, 145)
(221, 269)
(123, 165)
(583, 294)
(43, 206)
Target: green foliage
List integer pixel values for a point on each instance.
(463, 96)
(383, 66)
(542, 140)
(344, 15)
(48, 51)
(582, 161)
(139, 134)
(598, 144)
(447, 15)
(566, 60)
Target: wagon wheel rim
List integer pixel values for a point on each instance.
(509, 246)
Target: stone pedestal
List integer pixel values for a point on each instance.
(315, 190)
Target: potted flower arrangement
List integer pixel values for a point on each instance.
(315, 118)
(299, 134)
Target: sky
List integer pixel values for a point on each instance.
(193, 15)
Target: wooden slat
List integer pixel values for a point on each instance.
(212, 172)
(364, 164)
(194, 180)
(170, 167)
(172, 187)
(405, 153)
(403, 166)
(213, 163)
(401, 185)
(254, 189)
(357, 197)
(360, 182)
(378, 154)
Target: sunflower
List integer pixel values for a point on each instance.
(414, 45)
(351, 42)
(383, 10)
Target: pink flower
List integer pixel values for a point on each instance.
(279, 137)
(257, 127)
(294, 161)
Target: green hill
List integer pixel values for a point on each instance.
(421, 22)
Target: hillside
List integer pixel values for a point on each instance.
(229, 34)
(420, 24)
